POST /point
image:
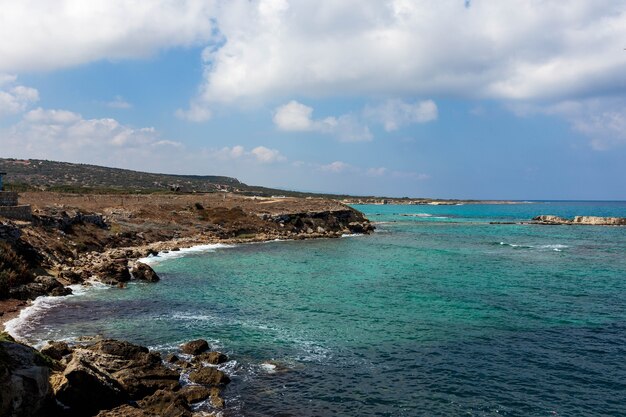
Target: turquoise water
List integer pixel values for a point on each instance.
(439, 313)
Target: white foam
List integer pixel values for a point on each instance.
(270, 368)
(555, 247)
(162, 256)
(352, 234)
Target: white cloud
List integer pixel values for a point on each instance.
(266, 155)
(399, 47)
(260, 154)
(336, 167)
(14, 98)
(40, 35)
(196, 113)
(119, 103)
(394, 114)
(294, 117)
(297, 117)
(65, 135)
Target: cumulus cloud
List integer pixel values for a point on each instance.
(40, 35)
(260, 154)
(63, 135)
(394, 114)
(297, 117)
(266, 155)
(15, 98)
(492, 49)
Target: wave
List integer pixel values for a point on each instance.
(423, 216)
(555, 247)
(162, 256)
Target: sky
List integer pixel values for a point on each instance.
(420, 98)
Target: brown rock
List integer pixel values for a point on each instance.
(144, 272)
(214, 358)
(56, 350)
(86, 388)
(209, 376)
(171, 358)
(216, 398)
(194, 393)
(165, 404)
(124, 411)
(195, 347)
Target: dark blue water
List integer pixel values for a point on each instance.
(439, 313)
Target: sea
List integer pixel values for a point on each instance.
(438, 313)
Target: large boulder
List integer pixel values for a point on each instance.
(213, 358)
(56, 350)
(195, 347)
(144, 272)
(86, 388)
(24, 386)
(209, 376)
(112, 271)
(108, 373)
(41, 285)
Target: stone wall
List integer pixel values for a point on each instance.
(8, 198)
(16, 212)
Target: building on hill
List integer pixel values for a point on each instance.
(9, 206)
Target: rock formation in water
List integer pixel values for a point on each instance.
(580, 220)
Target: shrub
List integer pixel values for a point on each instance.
(14, 270)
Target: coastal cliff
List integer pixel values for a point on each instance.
(77, 239)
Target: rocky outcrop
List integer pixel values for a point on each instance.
(65, 220)
(195, 347)
(112, 271)
(580, 220)
(323, 222)
(24, 386)
(144, 272)
(209, 376)
(42, 285)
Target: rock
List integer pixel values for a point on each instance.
(24, 381)
(86, 388)
(138, 371)
(41, 285)
(144, 272)
(124, 411)
(549, 219)
(194, 393)
(195, 347)
(113, 271)
(61, 291)
(209, 376)
(56, 350)
(600, 221)
(171, 358)
(581, 220)
(216, 398)
(214, 358)
(165, 404)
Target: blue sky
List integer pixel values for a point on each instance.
(451, 99)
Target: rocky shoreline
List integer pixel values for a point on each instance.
(550, 220)
(110, 378)
(71, 245)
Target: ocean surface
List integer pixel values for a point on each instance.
(438, 313)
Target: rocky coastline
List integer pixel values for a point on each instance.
(68, 244)
(551, 220)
